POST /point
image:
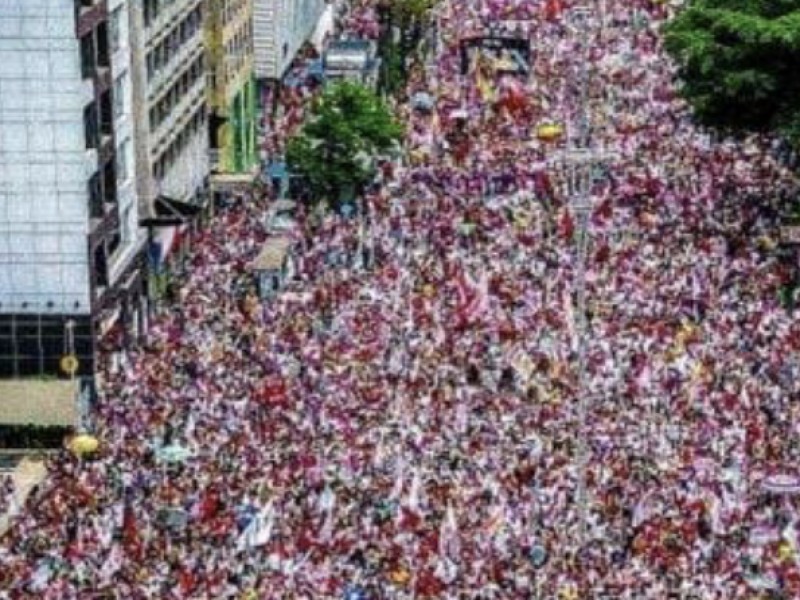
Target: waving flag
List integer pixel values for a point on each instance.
(485, 86)
(130, 532)
(259, 531)
(473, 298)
(553, 10)
(449, 546)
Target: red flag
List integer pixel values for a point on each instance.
(186, 581)
(513, 96)
(566, 226)
(274, 390)
(464, 289)
(553, 9)
(130, 532)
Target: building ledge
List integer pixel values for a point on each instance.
(33, 402)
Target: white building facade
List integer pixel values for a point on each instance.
(280, 28)
(170, 114)
(44, 162)
(133, 238)
(69, 265)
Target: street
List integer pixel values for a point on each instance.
(518, 396)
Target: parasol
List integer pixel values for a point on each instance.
(173, 454)
(538, 556)
(171, 517)
(83, 444)
(422, 101)
(763, 536)
(781, 483)
(400, 576)
(549, 132)
(761, 582)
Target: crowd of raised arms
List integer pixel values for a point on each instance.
(407, 426)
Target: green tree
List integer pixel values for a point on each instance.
(411, 18)
(739, 62)
(348, 127)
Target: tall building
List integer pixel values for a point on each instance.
(281, 27)
(170, 118)
(70, 253)
(231, 92)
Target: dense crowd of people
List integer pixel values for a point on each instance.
(402, 421)
(7, 494)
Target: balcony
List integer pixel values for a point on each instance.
(88, 61)
(91, 127)
(106, 150)
(89, 14)
(96, 209)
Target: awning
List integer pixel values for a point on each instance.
(272, 254)
(233, 182)
(168, 211)
(48, 403)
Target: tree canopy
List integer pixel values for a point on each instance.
(348, 127)
(410, 19)
(739, 62)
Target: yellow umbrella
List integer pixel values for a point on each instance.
(549, 132)
(400, 576)
(83, 444)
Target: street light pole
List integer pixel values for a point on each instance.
(580, 161)
(582, 211)
(578, 164)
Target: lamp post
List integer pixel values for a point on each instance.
(579, 162)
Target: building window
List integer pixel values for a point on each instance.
(114, 243)
(115, 29)
(100, 267)
(90, 129)
(127, 229)
(103, 58)
(151, 66)
(119, 96)
(87, 55)
(106, 113)
(95, 197)
(150, 8)
(122, 161)
(109, 183)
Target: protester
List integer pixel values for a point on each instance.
(408, 426)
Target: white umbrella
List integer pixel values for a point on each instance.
(781, 483)
(172, 454)
(422, 101)
(760, 582)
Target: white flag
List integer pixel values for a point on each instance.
(259, 531)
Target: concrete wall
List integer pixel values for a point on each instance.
(44, 166)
